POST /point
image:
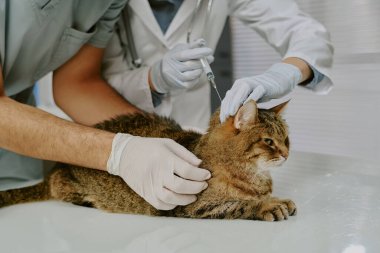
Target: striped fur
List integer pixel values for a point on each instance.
(240, 187)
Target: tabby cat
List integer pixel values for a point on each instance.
(238, 153)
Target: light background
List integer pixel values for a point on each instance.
(346, 122)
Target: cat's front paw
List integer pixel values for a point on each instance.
(276, 209)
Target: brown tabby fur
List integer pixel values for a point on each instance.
(236, 152)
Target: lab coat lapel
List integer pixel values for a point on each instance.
(185, 12)
(143, 10)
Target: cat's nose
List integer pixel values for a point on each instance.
(284, 153)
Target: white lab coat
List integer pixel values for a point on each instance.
(280, 22)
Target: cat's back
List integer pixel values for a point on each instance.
(151, 125)
(144, 124)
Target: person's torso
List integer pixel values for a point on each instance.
(41, 35)
(189, 108)
(151, 43)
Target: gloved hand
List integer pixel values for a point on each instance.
(277, 81)
(161, 171)
(180, 68)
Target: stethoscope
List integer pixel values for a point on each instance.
(3, 27)
(130, 45)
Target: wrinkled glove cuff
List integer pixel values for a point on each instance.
(119, 143)
(158, 80)
(285, 71)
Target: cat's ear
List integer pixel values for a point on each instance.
(279, 108)
(247, 114)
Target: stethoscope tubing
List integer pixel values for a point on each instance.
(136, 60)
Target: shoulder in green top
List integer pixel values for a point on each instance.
(38, 36)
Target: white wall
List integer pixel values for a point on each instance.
(347, 121)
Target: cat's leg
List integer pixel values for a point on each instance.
(271, 209)
(229, 209)
(64, 186)
(274, 209)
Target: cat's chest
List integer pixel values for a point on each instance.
(232, 188)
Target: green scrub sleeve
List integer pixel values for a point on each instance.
(105, 26)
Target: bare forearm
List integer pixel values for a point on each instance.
(91, 101)
(32, 132)
(81, 92)
(307, 72)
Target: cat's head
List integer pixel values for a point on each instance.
(254, 138)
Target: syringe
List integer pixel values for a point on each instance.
(210, 75)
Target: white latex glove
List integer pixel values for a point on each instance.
(277, 81)
(180, 68)
(161, 171)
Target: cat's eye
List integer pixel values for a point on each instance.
(287, 142)
(268, 141)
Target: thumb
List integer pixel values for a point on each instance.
(183, 153)
(197, 43)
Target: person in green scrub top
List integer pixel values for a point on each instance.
(68, 37)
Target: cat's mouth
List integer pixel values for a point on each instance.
(270, 163)
(277, 161)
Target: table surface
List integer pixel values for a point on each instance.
(338, 211)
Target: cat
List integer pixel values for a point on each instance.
(238, 154)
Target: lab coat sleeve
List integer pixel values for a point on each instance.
(105, 25)
(291, 32)
(132, 84)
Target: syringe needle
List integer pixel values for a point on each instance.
(216, 89)
(210, 75)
